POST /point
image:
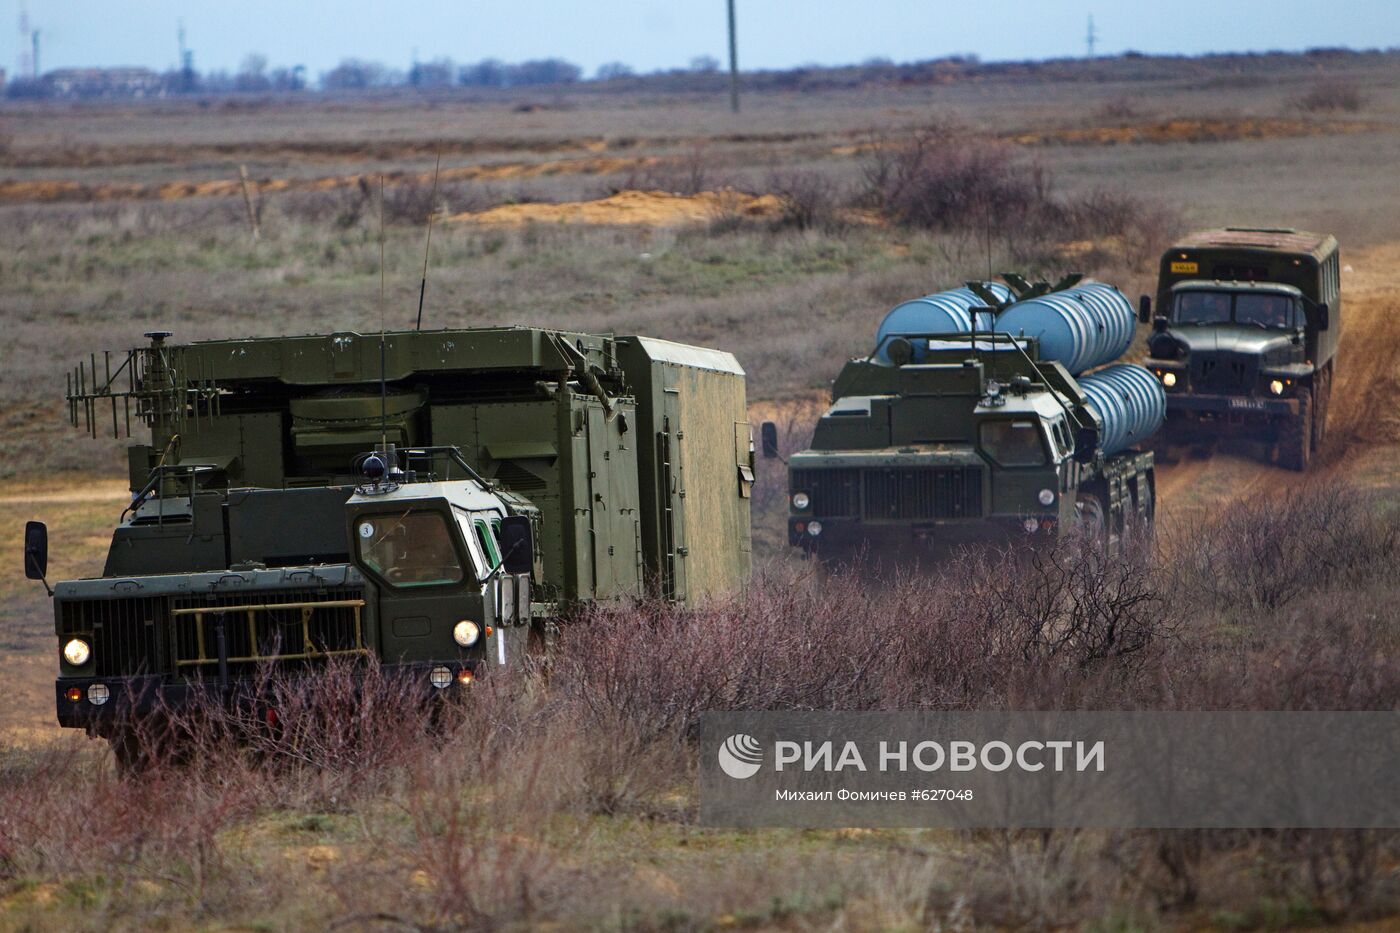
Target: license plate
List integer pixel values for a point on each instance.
(1246, 403)
(1187, 267)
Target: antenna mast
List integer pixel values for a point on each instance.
(383, 384)
(432, 209)
(27, 65)
(1091, 38)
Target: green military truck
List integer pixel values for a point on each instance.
(947, 435)
(436, 500)
(1245, 339)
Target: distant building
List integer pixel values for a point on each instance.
(102, 82)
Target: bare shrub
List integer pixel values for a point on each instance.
(1266, 552)
(809, 200)
(1119, 108)
(948, 180)
(689, 173)
(1330, 95)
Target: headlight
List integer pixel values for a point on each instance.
(1276, 387)
(466, 633)
(814, 528)
(800, 500)
(77, 652)
(1031, 525)
(440, 677)
(98, 694)
(1168, 379)
(1046, 497)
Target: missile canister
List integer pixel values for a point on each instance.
(1082, 327)
(940, 313)
(1130, 403)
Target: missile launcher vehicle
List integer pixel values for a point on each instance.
(974, 419)
(435, 500)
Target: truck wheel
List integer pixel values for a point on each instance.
(1322, 392)
(1093, 517)
(1295, 436)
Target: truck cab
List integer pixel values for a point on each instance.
(1244, 339)
(435, 584)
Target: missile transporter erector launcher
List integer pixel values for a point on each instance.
(291, 505)
(947, 435)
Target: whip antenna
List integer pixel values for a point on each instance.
(432, 209)
(383, 386)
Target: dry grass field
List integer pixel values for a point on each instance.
(764, 234)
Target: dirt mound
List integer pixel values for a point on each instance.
(643, 208)
(45, 190)
(1194, 131)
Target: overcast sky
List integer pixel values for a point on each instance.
(651, 34)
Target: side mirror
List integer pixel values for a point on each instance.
(768, 433)
(1324, 316)
(517, 544)
(1159, 323)
(36, 550)
(1145, 309)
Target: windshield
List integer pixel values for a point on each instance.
(410, 548)
(1013, 443)
(1260, 309)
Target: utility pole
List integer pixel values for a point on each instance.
(733, 63)
(35, 38)
(1091, 38)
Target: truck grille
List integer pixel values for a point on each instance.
(1224, 373)
(162, 634)
(261, 626)
(899, 493)
(126, 633)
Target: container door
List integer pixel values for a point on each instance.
(672, 484)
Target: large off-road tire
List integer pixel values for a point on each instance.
(1322, 395)
(1295, 436)
(1093, 516)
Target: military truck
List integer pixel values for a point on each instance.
(435, 500)
(954, 430)
(1245, 339)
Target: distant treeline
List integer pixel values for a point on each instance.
(353, 75)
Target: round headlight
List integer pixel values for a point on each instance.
(1046, 497)
(440, 677)
(800, 500)
(1168, 379)
(814, 528)
(98, 694)
(1276, 387)
(466, 633)
(77, 652)
(1031, 525)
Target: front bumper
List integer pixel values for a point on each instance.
(853, 534)
(133, 698)
(1234, 405)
